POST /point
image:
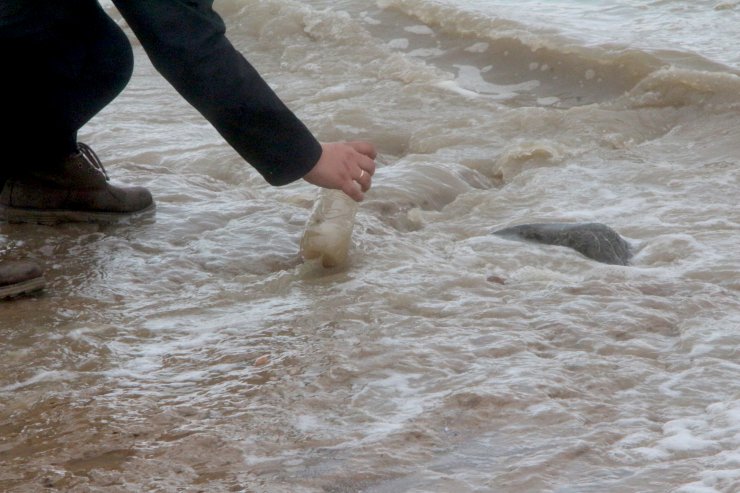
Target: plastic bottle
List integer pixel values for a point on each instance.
(328, 233)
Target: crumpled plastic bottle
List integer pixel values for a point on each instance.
(328, 233)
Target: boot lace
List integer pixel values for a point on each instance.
(92, 158)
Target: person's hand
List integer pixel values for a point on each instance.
(346, 166)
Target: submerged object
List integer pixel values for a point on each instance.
(594, 240)
(328, 233)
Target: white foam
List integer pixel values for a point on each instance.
(44, 376)
(683, 440)
(419, 29)
(368, 19)
(480, 47)
(697, 488)
(652, 453)
(426, 52)
(451, 85)
(549, 101)
(470, 77)
(399, 44)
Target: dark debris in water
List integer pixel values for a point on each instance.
(594, 240)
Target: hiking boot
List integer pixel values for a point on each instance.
(18, 277)
(79, 191)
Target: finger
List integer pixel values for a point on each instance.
(363, 169)
(363, 147)
(351, 189)
(368, 165)
(364, 180)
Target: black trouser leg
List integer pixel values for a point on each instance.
(63, 61)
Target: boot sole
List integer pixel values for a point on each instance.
(53, 216)
(35, 284)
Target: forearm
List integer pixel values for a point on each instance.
(186, 42)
